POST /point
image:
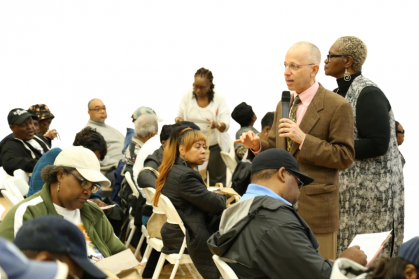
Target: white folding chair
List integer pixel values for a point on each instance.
(136, 194)
(10, 198)
(21, 174)
(179, 258)
(13, 189)
(231, 166)
(225, 270)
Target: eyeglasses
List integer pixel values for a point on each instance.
(401, 132)
(85, 184)
(98, 109)
(294, 67)
(335, 55)
(299, 182)
(201, 88)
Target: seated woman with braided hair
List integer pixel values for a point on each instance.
(180, 181)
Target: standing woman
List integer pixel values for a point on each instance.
(372, 188)
(208, 109)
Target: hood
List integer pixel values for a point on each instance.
(236, 218)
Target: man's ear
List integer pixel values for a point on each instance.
(315, 70)
(281, 174)
(43, 256)
(12, 127)
(410, 271)
(268, 129)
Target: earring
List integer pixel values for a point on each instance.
(58, 189)
(346, 75)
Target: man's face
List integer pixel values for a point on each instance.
(400, 136)
(97, 111)
(292, 190)
(35, 126)
(303, 76)
(24, 130)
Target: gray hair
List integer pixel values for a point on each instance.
(49, 173)
(88, 104)
(314, 55)
(355, 48)
(145, 124)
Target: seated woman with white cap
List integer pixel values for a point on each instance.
(68, 185)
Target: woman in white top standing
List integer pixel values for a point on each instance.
(208, 109)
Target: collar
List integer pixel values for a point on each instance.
(307, 95)
(344, 85)
(96, 123)
(258, 190)
(137, 141)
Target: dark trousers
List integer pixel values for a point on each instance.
(216, 166)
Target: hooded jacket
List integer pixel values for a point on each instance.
(186, 190)
(18, 154)
(40, 204)
(262, 237)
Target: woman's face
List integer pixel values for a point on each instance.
(201, 86)
(196, 155)
(44, 125)
(335, 67)
(71, 195)
(400, 136)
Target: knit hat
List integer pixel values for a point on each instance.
(410, 251)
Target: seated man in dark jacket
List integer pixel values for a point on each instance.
(262, 236)
(24, 149)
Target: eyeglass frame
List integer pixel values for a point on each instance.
(401, 132)
(200, 87)
(299, 182)
(82, 180)
(335, 56)
(294, 67)
(98, 109)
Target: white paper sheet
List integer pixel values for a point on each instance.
(371, 243)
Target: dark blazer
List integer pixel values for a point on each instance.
(186, 190)
(327, 148)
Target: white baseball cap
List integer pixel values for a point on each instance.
(84, 161)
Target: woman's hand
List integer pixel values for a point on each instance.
(216, 125)
(52, 134)
(178, 119)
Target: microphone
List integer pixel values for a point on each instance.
(286, 98)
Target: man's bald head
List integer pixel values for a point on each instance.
(92, 102)
(312, 52)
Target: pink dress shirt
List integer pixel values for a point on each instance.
(305, 97)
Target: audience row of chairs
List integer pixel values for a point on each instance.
(16, 187)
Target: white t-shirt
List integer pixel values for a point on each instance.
(73, 216)
(36, 145)
(217, 110)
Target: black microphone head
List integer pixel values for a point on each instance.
(286, 96)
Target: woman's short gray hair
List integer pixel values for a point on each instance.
(145, 124)
(49, 173)
(354, 47)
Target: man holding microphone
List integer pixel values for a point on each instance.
(319, 134)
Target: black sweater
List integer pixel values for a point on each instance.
(372, 120)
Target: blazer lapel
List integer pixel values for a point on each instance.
(311, 116)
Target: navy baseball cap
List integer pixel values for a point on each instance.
(19, 115)
(17, 266)
(55, 234)
(410, 251)
(276, 158)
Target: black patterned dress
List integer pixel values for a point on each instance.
(372, 190)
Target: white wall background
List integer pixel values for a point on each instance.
(144, 53)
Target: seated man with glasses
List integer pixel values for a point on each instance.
(68, 186)
(113, 137)
(262, 236)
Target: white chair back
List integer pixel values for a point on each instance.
(11, 187)
(132, 185)
(171, 212)
(21, 174)
(10, 198)
(224, 268)
(21, 185)
(229, 161)
(150, 192)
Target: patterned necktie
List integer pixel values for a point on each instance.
(293, 117)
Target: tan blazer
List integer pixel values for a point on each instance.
(327, 148)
